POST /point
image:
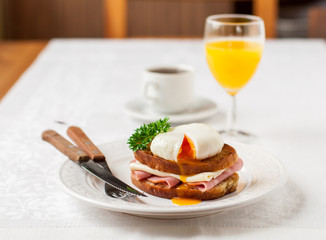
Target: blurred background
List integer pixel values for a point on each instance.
(27, 25)
(45, 19)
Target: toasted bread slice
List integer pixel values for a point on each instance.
(184, 191)
(226, 158)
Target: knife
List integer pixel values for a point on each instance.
(82, 159)
(82, 140)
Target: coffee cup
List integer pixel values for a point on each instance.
(168, 89)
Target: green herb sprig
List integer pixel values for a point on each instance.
(143, 136)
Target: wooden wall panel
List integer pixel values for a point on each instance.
(268, 11)
(115, 18)
(44, 19)
(172, 18)
(1, 19)
(317, 22)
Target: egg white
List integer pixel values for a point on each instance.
(207, 141)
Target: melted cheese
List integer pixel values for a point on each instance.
(204, 176)
(203, 140)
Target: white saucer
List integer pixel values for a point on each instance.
(202, 108)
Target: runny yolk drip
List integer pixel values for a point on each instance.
(183, 178)
(187, 150)
(185, 201)
(186, 154)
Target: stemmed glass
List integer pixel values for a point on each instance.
(234, 45)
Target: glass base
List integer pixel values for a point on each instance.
(237, 135)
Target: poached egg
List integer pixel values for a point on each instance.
(194, 141)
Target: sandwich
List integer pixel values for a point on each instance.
(189, 161)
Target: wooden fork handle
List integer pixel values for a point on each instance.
(81, 139)
(67, 148)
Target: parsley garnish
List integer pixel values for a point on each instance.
(143, 136)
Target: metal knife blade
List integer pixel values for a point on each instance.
(99, 172)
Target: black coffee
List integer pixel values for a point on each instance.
(167, 70)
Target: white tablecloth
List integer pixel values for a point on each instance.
(87, 82)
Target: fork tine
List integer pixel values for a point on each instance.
(113, 192)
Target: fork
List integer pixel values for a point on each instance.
(115, 193)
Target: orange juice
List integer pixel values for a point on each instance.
(233, 62)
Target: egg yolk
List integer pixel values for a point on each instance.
(185, 201)
(187, 150)
(183, 178)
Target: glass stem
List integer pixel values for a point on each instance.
(231, 118)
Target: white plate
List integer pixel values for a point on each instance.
(262, 174)
(202, 108)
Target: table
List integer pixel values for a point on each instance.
(86, 82)
(15, 57)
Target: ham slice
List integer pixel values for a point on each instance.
(170, 181)
(141, 174)
(204, 186)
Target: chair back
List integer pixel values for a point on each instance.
(317, 22)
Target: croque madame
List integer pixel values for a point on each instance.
(188, 161)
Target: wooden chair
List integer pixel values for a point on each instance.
(116, 13)
(317, 22)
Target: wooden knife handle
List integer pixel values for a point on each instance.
(80, 138)
(67, 148)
